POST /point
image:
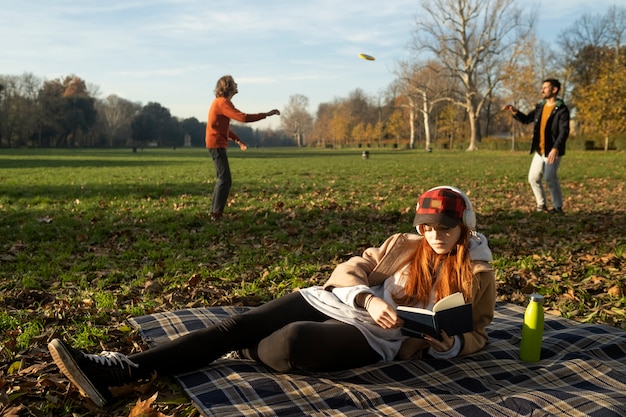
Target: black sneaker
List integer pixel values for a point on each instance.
(92, 374)
(541, 209)
(556, 210)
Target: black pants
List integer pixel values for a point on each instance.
(286, 334)
(224, 179)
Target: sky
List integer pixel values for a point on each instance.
(173, 51)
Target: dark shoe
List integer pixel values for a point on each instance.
(217, 215)
(92, 374)
(541, 209)
(556, 210)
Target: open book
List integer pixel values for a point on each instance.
(450, 314)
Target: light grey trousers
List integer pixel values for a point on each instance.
(540, 170)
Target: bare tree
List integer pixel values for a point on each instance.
(587, 45)
(474, 40)
(616, 27)
(18, 109)
(581, 43)
(296, 119)
(522, 80)
(117, 114)
(587, 30)
(423, 86)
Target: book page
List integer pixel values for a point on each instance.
(453, 300)
(416, 310)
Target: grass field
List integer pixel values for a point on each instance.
(90, 237)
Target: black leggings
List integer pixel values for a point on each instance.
(286, 334)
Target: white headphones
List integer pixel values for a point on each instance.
(469, 217)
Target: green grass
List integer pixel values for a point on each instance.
(91, 237)
(107, 217)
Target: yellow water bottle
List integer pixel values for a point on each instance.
(532, 330)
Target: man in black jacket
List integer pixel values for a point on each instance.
(551, 118)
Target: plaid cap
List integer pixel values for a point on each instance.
(440, 206)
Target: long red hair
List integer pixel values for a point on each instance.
(447, 273)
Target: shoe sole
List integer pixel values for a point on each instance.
(68, 366)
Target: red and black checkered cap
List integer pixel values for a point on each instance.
(440, 206)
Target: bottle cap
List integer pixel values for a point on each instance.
(536, 297)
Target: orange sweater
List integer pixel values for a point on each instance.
(218, 127)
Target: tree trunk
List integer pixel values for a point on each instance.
(426, 114)
(411, 123)
(473, 130)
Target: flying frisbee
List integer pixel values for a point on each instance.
(367, 57)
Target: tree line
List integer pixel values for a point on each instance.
(466, 59)
(65, 112)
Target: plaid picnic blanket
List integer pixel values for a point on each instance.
(582, 373)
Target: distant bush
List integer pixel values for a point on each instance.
(494, 143)
(579, 142)
(499, 143)
(590, 142)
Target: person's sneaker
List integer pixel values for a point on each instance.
(541, 209)
(92, 374)
(556, 210)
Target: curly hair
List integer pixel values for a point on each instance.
(225, 86)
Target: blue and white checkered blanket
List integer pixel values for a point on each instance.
(582, 373)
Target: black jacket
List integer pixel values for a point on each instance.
(557, 128)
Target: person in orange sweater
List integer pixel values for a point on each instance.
(217, 135)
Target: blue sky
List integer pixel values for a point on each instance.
(173, 51)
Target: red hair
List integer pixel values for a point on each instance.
(447, 273)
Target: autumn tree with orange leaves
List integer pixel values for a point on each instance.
(602, 107)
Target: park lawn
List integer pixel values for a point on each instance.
(91, 237)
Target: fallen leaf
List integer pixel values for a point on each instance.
(615, 291)
(14, 411)
(144, 409)
(194, 280)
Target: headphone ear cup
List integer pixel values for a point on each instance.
(417, 206)
(469, 216)
(469, 219)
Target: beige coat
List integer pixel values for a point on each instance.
(377, 264)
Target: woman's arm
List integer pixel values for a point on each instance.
(358, 269)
